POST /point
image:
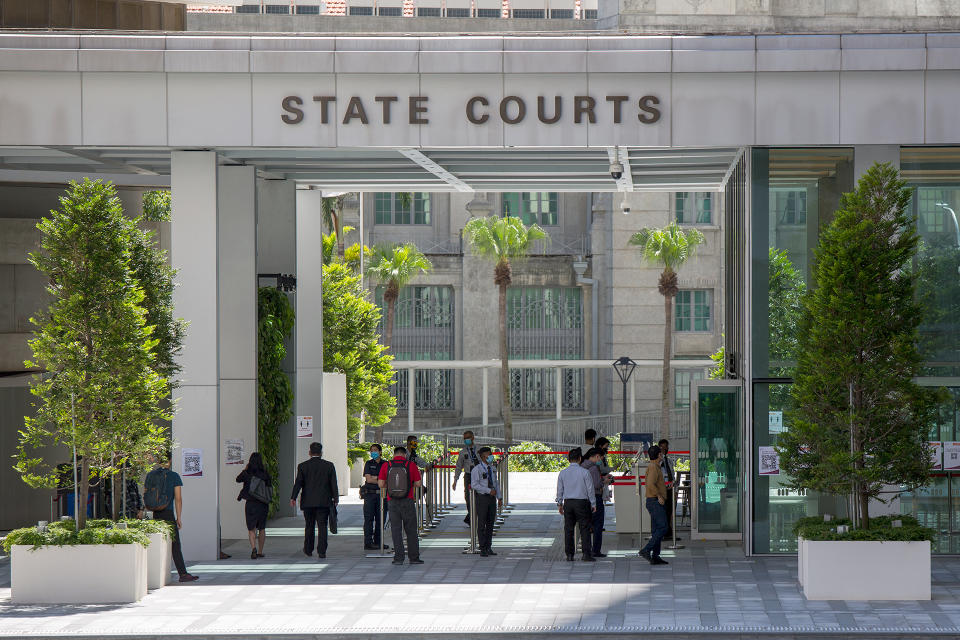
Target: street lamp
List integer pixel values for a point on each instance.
(624, 367)
(956, 225)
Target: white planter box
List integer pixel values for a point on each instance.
(78, 574)
(158, 561)
(854, 570)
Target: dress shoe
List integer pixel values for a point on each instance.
(644, 554)
(658, 560)
(322, 556)
(370, 547)
(589, 559)
(484, 554)
(188, 578)
(569, 557)
(398, 562)
(417, 561)
(253, 554)
(224, 556)
(259, 555)
(491, 552)
(599, 555)
(309, 554)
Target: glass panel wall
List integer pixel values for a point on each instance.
(718, 460)
(794, 193)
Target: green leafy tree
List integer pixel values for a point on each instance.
(101, 394)
(938, 266)
(351, 346)
(786, 289)
(394, 267)
(332, 211)
(503, 241)
(859, 421)
(275, 321)
(155, 276)
(719, 370)
(669, 247)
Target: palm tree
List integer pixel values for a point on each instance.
(395, 266)
(501, 240)
(670, 247)
(333, 217)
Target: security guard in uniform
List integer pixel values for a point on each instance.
(373, 517)
(466, 461)
(483, 480)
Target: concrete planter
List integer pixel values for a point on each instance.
(78, 574)
(158, 561)
(855, 570)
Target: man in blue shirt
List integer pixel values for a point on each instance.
(483, 480)
(577, 502)
(172, 511)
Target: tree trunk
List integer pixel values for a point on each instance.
(864, 510)
(667, 375)
(115, 495)
(505, 370)
(388, 325)
(83, 492)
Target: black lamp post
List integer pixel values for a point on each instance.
(624, 368)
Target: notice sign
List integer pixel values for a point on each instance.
(304, 426)
(193, 463)
(769, 462)
(936, 455)
(951, 456)
(234, 452)
(775, 422)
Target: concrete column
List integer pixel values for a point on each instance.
(277, 253)
(237, 319)
(193, 231)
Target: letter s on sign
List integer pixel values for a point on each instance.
(649, 113)
(297, 116)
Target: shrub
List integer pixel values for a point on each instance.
(536, 462)
(64, 533)
(881, 529)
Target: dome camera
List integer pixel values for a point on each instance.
(625, 208)
(616, 170)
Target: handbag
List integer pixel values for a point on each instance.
(260, 490)
(333, 518)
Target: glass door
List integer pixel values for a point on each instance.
(716, 441)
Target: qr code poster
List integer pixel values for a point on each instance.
(193, 463)
(769, 462)
(951, 456)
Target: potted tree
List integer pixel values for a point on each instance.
(100, 396)
(860, 423)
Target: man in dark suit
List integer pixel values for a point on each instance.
(317, 478)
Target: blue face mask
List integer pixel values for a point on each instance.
(374, 455)
(467, 441)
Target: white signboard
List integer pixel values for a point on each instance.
(769, 464)
(951, 456)
(234, 452)
(775, 422)
(193, 463)
(936, 455)
(304, 426)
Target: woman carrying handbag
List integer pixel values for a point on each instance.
(257, 491)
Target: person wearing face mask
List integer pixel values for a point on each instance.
(606, 471)
(591, 462)
(466, 461)
(483, 479)
(373, 518)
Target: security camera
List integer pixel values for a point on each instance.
(625, 208)
(616, 170)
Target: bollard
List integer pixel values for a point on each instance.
(383, 529)
(473, 526)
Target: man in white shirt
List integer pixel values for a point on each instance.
(483, 480)
(577, 502)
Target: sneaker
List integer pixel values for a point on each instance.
(658, 560)
(253, 554)
(644, 554)
(417, 561)
(589, 559)
(188, 578)
(569, 557)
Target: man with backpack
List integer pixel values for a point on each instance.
(317, 478)
(162, 495)
(399, 477)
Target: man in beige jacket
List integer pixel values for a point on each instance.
(656, 492)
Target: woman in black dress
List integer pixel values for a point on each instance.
(255, 510)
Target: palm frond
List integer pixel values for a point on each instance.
(502, 238)
(670, 246)
(397, 264)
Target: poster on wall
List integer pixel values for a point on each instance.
(234, 452)
(775, 422)
(193, 463)
(951, 456)
(304, 426)
(769, 462)
(936, 455)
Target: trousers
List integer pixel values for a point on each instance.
(486, 517)
(658, 524)
(168, 515)
(372, 520)
(576, 513)
(596, 523)
(315, 518)
(403, 519)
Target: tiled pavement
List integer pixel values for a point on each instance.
(709, 589)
